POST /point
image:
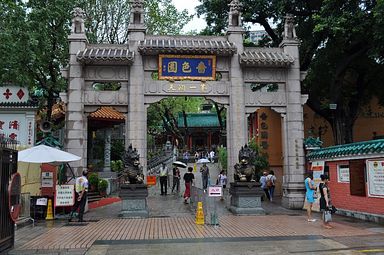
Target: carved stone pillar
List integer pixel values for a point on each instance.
(76, 121)
(293, 185)
(107, 150)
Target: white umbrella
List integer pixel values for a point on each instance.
(179, 164)
(46, 154)
(203, 160)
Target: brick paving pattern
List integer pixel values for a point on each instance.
(76, 236)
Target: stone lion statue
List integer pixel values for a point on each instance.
(133, 172)
(244, 171)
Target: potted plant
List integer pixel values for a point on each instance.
(103, 185)
(93, 180)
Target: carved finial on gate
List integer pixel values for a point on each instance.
(78, 21)
(235, 8)
(289, 27)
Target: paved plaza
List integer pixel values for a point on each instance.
(171, 229)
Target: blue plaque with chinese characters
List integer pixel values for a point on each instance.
(185, 67)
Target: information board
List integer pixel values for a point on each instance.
(65, 195)
(215, 191)
(47, 179)
(375, 178)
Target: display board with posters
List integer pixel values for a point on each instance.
(317, 168)
(375, 178)
(65, 195)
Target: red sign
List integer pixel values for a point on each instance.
(14, 193)
(151, 180)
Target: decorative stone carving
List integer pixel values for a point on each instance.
(106, 73)
(105, 98)
(78, 21)
(289, 27)
(264, 74)
(235, 8)
(263, 98)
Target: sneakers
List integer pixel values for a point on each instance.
(311, 220)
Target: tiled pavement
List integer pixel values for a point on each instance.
(172, 226)
(80, 236)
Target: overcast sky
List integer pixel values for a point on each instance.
(195, 24)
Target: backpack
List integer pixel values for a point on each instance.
(269, 182)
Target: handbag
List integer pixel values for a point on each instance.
(327, 216)
(332, 209)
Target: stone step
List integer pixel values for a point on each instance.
(93, 196)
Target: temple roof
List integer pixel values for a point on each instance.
(29, 104)
(199, 120)
(265, 58)
(106, 53)
(107, 113)
(186, 45)
(363, 149)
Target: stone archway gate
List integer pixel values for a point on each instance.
(242, 76)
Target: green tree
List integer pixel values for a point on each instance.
(107, 20)
(341, 48)
(164, 114)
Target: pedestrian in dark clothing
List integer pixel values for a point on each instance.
(188, 179)
(163, 179)
(176, 179)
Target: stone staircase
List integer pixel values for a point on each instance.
(93, 196)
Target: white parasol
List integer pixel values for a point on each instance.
(46, 154)
(179, 164)
(203, 160)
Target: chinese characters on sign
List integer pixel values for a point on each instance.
(46, 179)
(215, 191)
(343, 173)
(65, 195)
(201, 88)
(183, 67)
(375, 178)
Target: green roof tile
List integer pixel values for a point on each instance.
(352, 149)
(199, 120)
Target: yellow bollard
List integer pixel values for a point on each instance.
(200, 214)
(194, 168)
(49, 210)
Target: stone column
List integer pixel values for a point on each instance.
(107, 150)
(237, 122)
(293, 124)
(76, 121)
(136, 125)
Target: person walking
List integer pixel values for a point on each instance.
(197, 155)
(176, 179)
(309, 194)
(271, 180)
(212, 156)
(325, 201)
(263, 182)
(188, 179)
(204, 170)
(186, 157)
(81, 188)
(222, 181)
(163, 179)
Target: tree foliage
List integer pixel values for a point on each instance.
(34, 44)
(34, 47)
(164, 115)
(341, 48)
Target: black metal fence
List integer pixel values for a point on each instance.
(8, 166)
